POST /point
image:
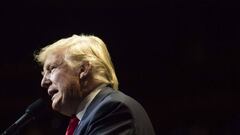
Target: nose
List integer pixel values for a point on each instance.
(46, 82)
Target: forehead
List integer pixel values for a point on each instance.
(53, 58)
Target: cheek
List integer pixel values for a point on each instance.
(59, 78)
(67, 85)
(59, 82)
(72, 86)
(66, 82)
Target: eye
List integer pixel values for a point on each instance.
(52, 68)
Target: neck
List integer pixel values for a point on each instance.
(89, 86)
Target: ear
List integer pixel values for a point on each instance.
(84, 69)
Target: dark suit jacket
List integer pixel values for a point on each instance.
(113, 113)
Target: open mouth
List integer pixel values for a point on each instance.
(52, 92)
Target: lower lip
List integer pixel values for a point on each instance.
(53, 96)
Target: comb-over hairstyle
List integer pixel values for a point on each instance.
(79, 48)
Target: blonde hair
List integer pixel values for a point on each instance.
(79, 48)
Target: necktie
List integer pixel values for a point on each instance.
(72, 125)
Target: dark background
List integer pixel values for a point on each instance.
(179, 59)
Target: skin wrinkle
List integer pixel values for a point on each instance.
(71, 87)
(66, 81)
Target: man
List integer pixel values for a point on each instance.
(80, 78)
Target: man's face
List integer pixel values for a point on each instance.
(62, 83)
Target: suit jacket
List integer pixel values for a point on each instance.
(113, 113)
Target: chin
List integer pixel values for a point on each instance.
(55, 105)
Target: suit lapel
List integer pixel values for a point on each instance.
(98, 99)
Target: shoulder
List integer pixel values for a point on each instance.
(113, 98)
(108, 115)
(110, 100)
(115, 112)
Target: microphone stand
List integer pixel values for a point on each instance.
(33, 111)
(21, 122)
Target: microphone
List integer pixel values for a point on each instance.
(31, 113)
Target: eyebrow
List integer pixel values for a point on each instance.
(46, 67)
(56, 63)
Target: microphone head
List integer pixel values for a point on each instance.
(37, 107)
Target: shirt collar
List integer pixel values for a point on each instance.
(87, 100)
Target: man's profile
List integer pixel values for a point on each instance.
(80, 78)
